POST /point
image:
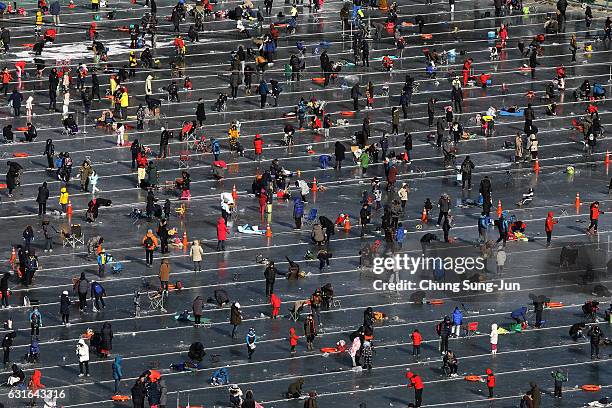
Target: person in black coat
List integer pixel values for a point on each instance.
(200, 112)
(7, 133)
(328, 225)
(134, 149)
(533, 63)
(355, 93)
(65, 307)
(4, 290)
(270, 275)
(50, 153)
(7, 343)
(150, 204)
(15, 99)
(107, 339)
(139, 393)
(42, 197)
(339, 152)
(12, 176)
(162, 232)
(53, 82)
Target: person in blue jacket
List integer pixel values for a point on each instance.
(117, 372)
(298, 212)
(457, 322)
(520, 315)
(263, 92)
(216, 148)
(251, 340)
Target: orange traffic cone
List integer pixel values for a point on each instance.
(184, 239)
(499, 208)
(577, 202)
(69, 209)
(347, 223)
(536, 166)
(234, 193)
(424, 216)
(314, 185)
(268, 231)
(607, 158)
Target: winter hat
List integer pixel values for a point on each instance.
(489, 371)
(65, 293)
(237, 305)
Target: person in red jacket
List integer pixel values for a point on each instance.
(416, 382)
(6, 77)
(222, 232)
(276, 304)
(293, 339)
(258, 145)
(490, 381)
(263, 202)
(417, 339)
(594, 216)
(548, 227)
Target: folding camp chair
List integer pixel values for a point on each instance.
(298, 306)
(74, 237)
(156, 301)
(184, 159)
(471, 328)
(312, 216)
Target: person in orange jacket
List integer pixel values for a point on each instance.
(416, 382)
(594, 216)
(549, 226)
(35, 385)
(149, 241)
(6, 77)
(258, 145)
(490, 381)
(276, 304)
(417, 339)
(293, 339)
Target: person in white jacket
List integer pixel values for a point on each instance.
(355, 349)
(82, 352)
(119, 132)
(29, 106)
(493, 338)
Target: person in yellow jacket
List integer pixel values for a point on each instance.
(63, 199)
(113, 88)
(39, 22)
(133, 63)
(124, 102)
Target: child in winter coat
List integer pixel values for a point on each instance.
(493, 338)
(82, 352)
(417, 339)
(490, 379)
(293, 339)
(549, 226)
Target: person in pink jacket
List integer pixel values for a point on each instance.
(222, 232)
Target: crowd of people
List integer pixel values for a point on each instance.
(383, 163)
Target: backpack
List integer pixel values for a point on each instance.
(98, 289)
(148, 242)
